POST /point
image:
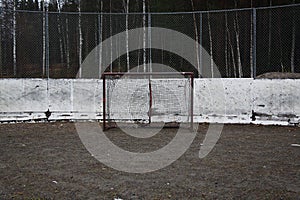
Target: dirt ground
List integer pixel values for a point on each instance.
(48, 161)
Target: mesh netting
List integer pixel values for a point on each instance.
(144, 98)
(241, 42)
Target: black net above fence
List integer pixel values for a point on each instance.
(242, 43)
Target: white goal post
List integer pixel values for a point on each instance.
(145, 98)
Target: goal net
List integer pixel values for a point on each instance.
(146, 99)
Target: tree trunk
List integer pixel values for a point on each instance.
(280, 46)
(14, 39)
(111, 42)
(150, 40)
(210, 42)
(67, 43)
(226, 46)
(1, 26)
(100, 38)
(144, 36)
(210, 46)
(137, 18)
(270, 35)
(293, 43)
(237, 34)
(96, 39)
(80, 40)
(44, 39)
(231, 48)
(251, 43)
(59, 26)
(196, 38)
(126, 8)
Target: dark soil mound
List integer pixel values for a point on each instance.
(279, 75)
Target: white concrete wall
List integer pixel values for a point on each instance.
(223, 100)
(215, 100)
(276, 101)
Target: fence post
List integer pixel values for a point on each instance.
(254, 44)
(47, 44)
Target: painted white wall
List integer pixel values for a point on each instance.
(276, 100)
(223, 100)
(215, 100)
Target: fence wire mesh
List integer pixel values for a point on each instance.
(243, 43)
(278, 40)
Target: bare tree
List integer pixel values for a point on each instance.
(96, 33)
(67, 43)
(1, 27)
(251, 43)
(44, 37)
(65, 33)
(237, 34)
(144, 35)
(9, 30)
(280, 46)
(210, 46)
(139, 50)
(60, 35)
(197, 38)
(226, 45)
(126, 9)
(270, 34)
(100, 37)
(80, 39)
(111, 42)
(14, 38)
(293, 42)
(230, 45)
(150, 37)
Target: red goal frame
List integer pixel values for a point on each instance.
(149, 75)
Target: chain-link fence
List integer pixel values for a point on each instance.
(243, 43)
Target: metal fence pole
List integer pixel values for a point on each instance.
(47, 44)
(254, 43)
